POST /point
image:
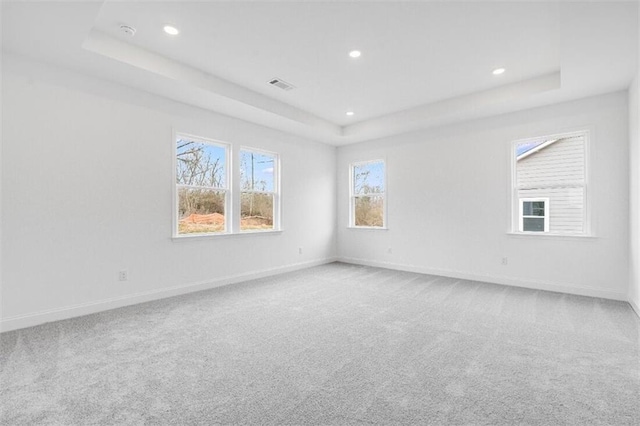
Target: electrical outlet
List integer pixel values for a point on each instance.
(389, 250)
(123, 275)
(505, 261)
(299, 250)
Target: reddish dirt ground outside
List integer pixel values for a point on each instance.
(214, 222)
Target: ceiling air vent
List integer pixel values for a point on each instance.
(278, 82)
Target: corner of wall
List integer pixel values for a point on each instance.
(1, 56)
(634, 191)
(634, 185)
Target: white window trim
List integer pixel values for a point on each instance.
(521, 216)
(352, 196)
(515, 225)
(228, 211)
(276, 191)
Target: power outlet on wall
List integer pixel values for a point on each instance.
(389, 250)
(505, 261)
(123, 275)
(299, 250)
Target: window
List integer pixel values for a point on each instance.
(203, 195)
(202, 186)
(259, 190)
(534, 215)
(550, 185)
(367, 194)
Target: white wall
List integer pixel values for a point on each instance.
(87, 189)
(449, 202)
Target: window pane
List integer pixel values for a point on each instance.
(533, 208)
(256, 211)
(369, 211)
(538, 211)
(533, 224)
(200, 164)
(257, 171)
(551, 162)
(200, 211)
(524, 147)
(550, 171)
(538, 205)
(368, 178)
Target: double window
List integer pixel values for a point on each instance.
(367, 195)
(205, 196)
(550, 189)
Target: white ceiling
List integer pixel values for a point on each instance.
(423, 63)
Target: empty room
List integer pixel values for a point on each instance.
(322, 213)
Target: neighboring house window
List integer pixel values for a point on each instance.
(368, 194)
(534, 215)
(550, 185)
(202, 186)
(259, 203)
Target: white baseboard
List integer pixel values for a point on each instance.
(635, 307)
(494, 279)
(37, 318)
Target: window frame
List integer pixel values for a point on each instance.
(521, 215)
(228, 191)
(275, 193)
(353, 196)
(515, 226)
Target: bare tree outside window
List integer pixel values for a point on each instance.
(201, 179)
(258, 190)
(368, 194)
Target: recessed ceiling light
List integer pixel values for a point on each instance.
(498, 71)
(355, 53)
(349, 113)
(171, 30)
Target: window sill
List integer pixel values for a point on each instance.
(190, 237)
(547, 235)
(369, 228)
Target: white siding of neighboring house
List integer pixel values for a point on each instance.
(557, 172)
